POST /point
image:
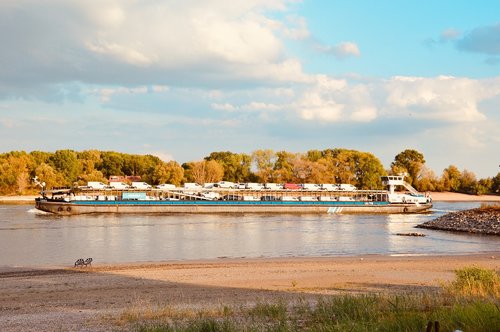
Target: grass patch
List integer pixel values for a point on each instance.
(468, 303)
(475, 282)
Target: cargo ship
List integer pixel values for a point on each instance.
(400, 197)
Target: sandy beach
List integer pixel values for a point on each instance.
(93, 298)
(458, 197)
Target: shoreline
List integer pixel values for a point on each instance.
(459, 197)
(94, 298)
(436, 197)
(137, 265)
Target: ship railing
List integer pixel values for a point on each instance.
(279, 194)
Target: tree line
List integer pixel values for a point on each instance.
(64, 168)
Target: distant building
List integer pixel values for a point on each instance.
(124, 178)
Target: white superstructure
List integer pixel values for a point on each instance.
(410, 195)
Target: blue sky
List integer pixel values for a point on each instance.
(180, 79)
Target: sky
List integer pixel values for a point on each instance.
(181, 79)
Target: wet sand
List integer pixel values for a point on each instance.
(93, 298)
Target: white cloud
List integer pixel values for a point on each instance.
(160, 88)
(340, 51)
(295, 27)
(289, 70)
(106, 93)
(346, 49)
(250, 107)
(335, 100)
(223, 107)
(243, 41)
(205, 43)
(260, 106)
(313, 106)
(123, 53)
(364, 114)
(327, 99)
(442, 98)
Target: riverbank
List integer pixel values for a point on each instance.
(18, 199)
(436, 196)
(484, 220)
(458, 197)
(95, 298)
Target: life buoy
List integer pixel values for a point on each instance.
(68, 209)
(405, 210)
(59, 209)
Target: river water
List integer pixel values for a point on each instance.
(30, 237)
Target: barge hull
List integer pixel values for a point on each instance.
(206, 207)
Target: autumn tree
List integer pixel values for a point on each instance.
(40, 157)
(427, 180)
(264, 163)
(14, 172)
(361, 169)
(484, 186)
(368, 170)
(283, 170)
(342, 165)
(410, 162)
(495, 186)
(301, 169)
(48, 175)
(140, 165)
(214, 171)
(319, 172)
(450, 179)
(314, 155)
(204, 171)
(112, 163)
(88, 161)
(198, 170)
(66, 163)
(169, 172)
(468, 182)
(236, 165)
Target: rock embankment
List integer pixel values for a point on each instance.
(484, 220)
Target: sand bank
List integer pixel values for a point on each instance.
(18, 199)
(458, 197)
(92, 298)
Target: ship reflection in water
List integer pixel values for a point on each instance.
(28, 237)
